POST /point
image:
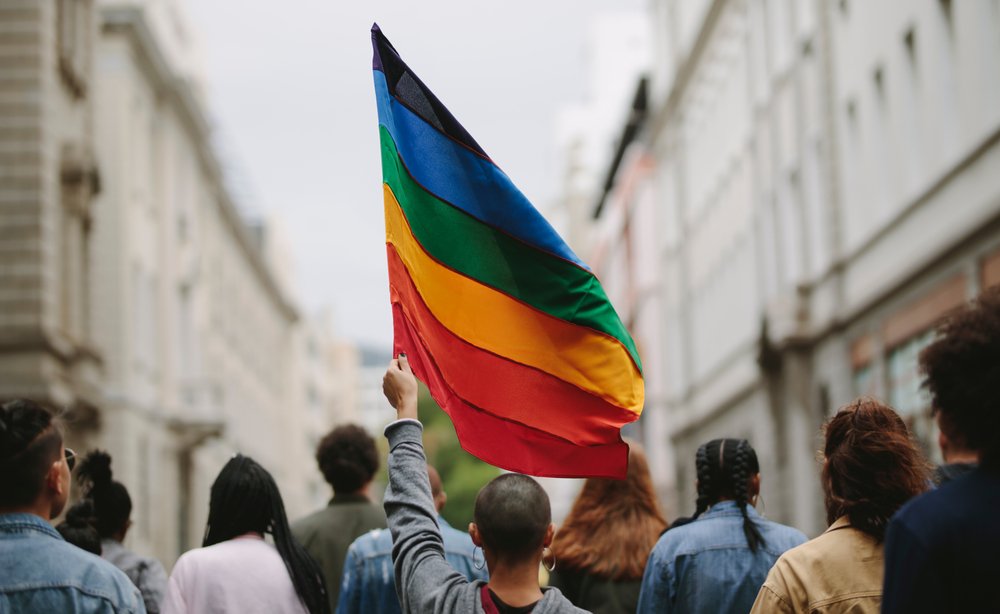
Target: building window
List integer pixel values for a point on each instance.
(864, 383)
(911, 109)
(74, 43)
(948, 75)
(906, 392)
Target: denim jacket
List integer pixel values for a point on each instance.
(707, 565)
(40, 572)
(368, 585)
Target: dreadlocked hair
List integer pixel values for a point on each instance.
(724, 469)
(244, 499)
(112, 503)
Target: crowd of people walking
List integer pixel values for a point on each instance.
(902, 536)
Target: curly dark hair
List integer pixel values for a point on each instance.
(963, 370)
(348, 458)
(873, 466)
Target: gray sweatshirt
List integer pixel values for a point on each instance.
(425, 583)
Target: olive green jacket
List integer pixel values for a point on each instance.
(328, 533)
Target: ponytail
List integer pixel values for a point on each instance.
(112, 503)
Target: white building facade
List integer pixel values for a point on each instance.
(813, 187)
(134, 293)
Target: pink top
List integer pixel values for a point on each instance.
(245, 575)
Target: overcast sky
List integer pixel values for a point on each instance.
(290, 83)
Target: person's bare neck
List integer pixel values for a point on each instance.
(962, 456)
(517, 585)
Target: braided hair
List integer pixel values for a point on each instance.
(112, 503)
(245, 498)
(724, 469)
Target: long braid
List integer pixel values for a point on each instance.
(307, 577)
(246, 498)
(706, 492)
(739, 475)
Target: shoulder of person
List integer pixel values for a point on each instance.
(149, 567)
(684, 539)
(372, 543)
(306, 526)
(790, 536)
(935, 507)
(554, 602)
(787, 573)
(101, 575)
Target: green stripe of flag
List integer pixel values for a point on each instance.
(482, 252)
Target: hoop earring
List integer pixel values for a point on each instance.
(474, 558)
(553, 568)
(762, 505)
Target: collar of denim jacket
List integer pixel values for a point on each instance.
(26, 523)
(728, 508)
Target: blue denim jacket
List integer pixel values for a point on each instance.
(41, 572)
(707, 565)
(368, 585)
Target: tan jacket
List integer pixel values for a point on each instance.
(838, 572)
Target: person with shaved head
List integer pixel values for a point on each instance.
(512, 524)
(368, 584)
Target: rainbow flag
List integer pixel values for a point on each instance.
(512, 333)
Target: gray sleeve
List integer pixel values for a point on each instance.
(425, 582)
(152, 583)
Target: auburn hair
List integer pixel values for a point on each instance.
(873, 466)
(613, 525)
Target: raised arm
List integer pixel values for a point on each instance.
(425, 582)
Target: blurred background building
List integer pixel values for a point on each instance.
(781, 197)
(135, 291)
(800, 191)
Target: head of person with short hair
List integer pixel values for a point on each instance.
(348, 458)
(112, 503)
(40, 571)
(962, 368)
(34, 473)
(941, 547)
(871, 467)
(513, 522)
(78, 528)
